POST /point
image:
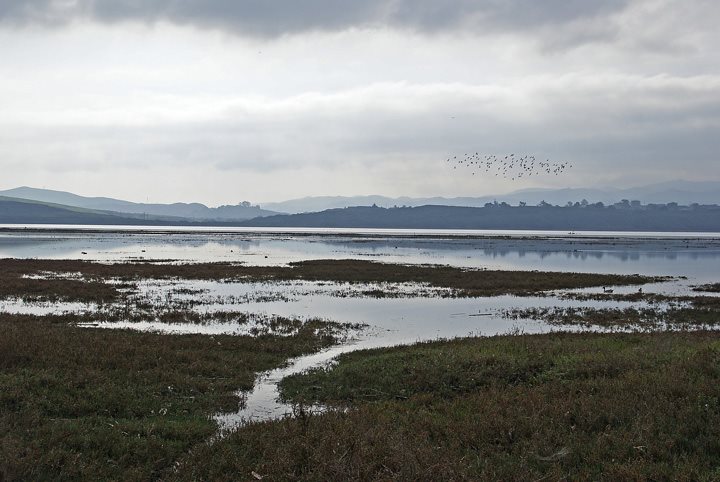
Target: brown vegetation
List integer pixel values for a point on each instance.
(464, 282)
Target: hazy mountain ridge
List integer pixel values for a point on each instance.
(187, 211)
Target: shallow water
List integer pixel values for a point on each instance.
(396, 320)
(42, 308)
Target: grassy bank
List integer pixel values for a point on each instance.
(115, 404)
(541, 407)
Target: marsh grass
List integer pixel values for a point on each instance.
(52, 290)
(539, 407)
(681, 313)
(118, 404)
(464, 282)
(709, 288)
(650, 298)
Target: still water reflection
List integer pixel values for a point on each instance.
(695, 255)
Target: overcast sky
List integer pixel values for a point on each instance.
(220, 101)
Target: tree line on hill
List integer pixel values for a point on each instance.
(622, 216)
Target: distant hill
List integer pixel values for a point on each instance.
(23, 211)
(682, 192)
(188, 211)
(660, 218)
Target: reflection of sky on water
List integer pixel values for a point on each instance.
(417, 313)
(695, 257)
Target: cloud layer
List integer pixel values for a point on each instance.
(610, 127)
(268, 18)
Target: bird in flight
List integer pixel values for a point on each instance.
(509, 166)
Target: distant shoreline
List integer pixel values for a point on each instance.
(369, 233)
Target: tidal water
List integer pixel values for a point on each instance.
(677, 254)
(415, 313)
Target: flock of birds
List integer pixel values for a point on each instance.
(509, 167)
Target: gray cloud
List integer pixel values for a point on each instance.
(271, 18)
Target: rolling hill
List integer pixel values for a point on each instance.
(187, 211)
(24, 211)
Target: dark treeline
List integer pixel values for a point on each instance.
(582, 216)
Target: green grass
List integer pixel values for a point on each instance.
(116, 404)
(540, 407)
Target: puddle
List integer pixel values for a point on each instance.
(43, 308)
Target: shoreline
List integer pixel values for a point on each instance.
(369, 233)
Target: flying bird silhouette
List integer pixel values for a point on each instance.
(510, 166)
